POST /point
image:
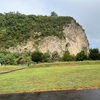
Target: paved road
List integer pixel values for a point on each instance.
(55, 95)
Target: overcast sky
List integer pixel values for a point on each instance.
(86, 12)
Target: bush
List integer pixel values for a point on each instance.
(55, 56)
(67, 56)
(9, 59)
(81, 56)
(46, 57)
(37, 56)
(94, 54)
(24, 59)
(2, 58)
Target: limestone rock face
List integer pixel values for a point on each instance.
(75, 41)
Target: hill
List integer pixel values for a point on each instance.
(21, 33)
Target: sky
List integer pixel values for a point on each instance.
(85, 12)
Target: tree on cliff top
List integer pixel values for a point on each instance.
(54, 14)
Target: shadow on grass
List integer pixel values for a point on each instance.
(54, 95)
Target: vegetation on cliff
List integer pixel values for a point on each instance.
(16, 28)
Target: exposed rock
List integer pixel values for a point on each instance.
(75, 41)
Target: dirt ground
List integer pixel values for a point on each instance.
(55, 95)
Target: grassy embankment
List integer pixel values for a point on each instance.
(65, 76)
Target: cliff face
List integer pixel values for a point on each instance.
(75, 41)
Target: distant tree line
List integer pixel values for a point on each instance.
(28, 58)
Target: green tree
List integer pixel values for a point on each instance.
(37, 56)
(9, 59)
(81, 56)
(55, 56)
(2, 58)
(46, 57)
(94, 54)
(24, 58)
(54, 14)
(67, 56)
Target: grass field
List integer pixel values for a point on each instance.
(51, 78)
(9, 68)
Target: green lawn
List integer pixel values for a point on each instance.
(51, 78)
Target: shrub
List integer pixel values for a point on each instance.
(9, 59)
(67, 56)
(46, 57)
(55, 56)
(94, 54)
(81, 56)
(37, 56)
(2, 58)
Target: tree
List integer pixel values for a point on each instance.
(21, 58)
(2, 58)
(67, 56)
(94, 54)
(55, 56)
(81, 56)
(54, 14)
(9, 59)
(46, 57)
(37, 56)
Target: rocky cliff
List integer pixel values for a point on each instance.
(75, 41)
